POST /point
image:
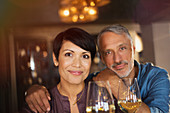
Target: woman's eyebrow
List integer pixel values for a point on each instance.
(73, 51)
(68, 50)
(86, 52)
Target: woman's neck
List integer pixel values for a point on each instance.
(70, 90)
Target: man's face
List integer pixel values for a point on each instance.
(117, 53)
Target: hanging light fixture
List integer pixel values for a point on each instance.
(77, 11)
(97, 3)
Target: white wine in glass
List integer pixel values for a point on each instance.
(129, 98)
(99, 98)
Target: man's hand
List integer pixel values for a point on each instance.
(37, 97)
(143, 109)
(113, 79)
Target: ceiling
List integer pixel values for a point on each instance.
(45, 12)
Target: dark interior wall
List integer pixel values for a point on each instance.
(5, 89)
(148, 44)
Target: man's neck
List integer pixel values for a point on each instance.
(134, 73)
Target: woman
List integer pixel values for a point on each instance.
(73, 52)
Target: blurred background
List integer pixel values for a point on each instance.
(28, 27)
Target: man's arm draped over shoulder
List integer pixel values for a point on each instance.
(38, 98)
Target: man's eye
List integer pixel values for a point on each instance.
(86, 56)
(108, 52)
(122, 48)
(68, 54)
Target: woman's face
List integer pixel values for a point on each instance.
(73, 63)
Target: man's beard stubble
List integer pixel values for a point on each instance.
(119, 63)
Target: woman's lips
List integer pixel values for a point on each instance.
(76, 72)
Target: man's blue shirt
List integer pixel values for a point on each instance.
(154, 85)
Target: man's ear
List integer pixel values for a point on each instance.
(134, 49)
(55, 60)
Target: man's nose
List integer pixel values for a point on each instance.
(117, 57)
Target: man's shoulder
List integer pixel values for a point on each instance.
(91, 75)
(150, 67)
(150, 72)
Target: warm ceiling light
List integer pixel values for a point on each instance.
(81, 16)
(75, 18)
(80, 10)
(64, 12)
(77, 11)
(92, 3)
(92, 11)
(73, 9)
(84, 3)
(98, 3)
(86, 9)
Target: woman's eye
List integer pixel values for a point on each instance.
(68, 54)
(86, 56)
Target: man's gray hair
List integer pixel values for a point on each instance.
(117, 29)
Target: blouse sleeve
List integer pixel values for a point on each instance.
(26, 109)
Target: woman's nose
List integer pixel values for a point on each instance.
(77, 62)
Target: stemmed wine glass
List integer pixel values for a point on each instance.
(99, 98)
(129, 98)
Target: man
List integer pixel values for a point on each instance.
(117, 53)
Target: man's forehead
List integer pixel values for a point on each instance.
(118, 45)
(114, 41)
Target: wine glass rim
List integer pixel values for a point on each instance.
(99, 82)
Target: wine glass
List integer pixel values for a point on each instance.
(129, 98)
(99, 98)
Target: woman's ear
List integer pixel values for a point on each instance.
(55, 60)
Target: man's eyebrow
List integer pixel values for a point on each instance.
(107, 50)
(123, 44)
